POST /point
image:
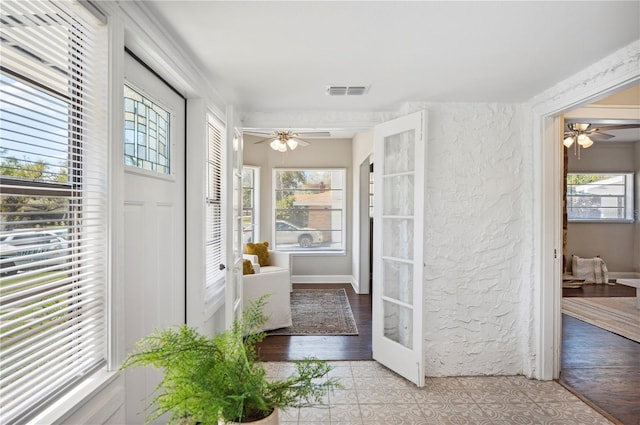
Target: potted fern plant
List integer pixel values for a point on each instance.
(219, 379)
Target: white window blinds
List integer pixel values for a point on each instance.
(214, 238)
(53, 202)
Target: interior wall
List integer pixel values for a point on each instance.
(478, 244)
(616, 243)
(334, 153)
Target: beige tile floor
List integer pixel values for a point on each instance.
(373, 395)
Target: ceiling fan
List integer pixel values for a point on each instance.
(584, 136)
(280, 140)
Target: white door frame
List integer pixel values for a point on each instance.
(364, 281)
(613, 73)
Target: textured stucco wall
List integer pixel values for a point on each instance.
(477, 240)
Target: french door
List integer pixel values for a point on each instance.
(399, 173)
(234, 305)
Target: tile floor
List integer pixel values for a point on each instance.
(373, 395)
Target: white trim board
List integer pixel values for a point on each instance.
(314, 279)
(326, 279)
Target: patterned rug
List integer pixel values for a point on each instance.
(615, 314)
(320, 312)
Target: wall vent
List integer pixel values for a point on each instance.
(347, 90)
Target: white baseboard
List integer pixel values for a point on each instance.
(322, 279)
(331, 279)
(624, 275)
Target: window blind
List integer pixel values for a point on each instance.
(214, 237)
(52, 204)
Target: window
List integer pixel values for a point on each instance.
(214, 241)
(309, 209)
(600, 197)
(250, 194)
(52, 205)
(147, 143)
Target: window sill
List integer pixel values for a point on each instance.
(67, 405)
(319, 253)
(624, 221)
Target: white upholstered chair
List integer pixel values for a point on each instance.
(275, 280)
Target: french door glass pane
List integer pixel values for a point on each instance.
(398, 324)
(398, 193)
(398, 237)
(398, 278)
(399, 152)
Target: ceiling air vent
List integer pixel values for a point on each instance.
(347, 90)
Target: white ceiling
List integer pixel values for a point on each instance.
(279, 56)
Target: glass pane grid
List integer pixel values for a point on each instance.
(599, 196)
(146, 133)
(309, 208)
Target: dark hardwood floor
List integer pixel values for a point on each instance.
(601, 367)
(600, 291)
(352, 347)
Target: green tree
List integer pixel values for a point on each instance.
(22, 210)
(287, 184)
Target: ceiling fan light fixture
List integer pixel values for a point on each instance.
(283, 147)
(568, 141)
(584, 141)
(580, 126)
(275, 144)
(292, 143)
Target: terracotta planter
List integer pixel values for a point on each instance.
(272, 419)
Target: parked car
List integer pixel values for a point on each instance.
(23, 248)
(287, 233)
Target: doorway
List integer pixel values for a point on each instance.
(597, 364)
(365, 272)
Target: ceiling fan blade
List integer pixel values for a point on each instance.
(615, 127)
(260, 133)
(301, 142)
(311, 133)
(601, 136)
(263, 140)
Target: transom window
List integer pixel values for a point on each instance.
(600, 197)
(147, 141)
(309, 209)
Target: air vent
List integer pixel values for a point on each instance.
(347, 90)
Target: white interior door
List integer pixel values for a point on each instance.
(154, 220)
(234, 305)
(397, 321)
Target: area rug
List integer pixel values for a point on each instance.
(320, 312)
(615, 314)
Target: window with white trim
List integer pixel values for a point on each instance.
(214, 241)
(53, 179)
(309, 209)
(600, 197)
(250, 197)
